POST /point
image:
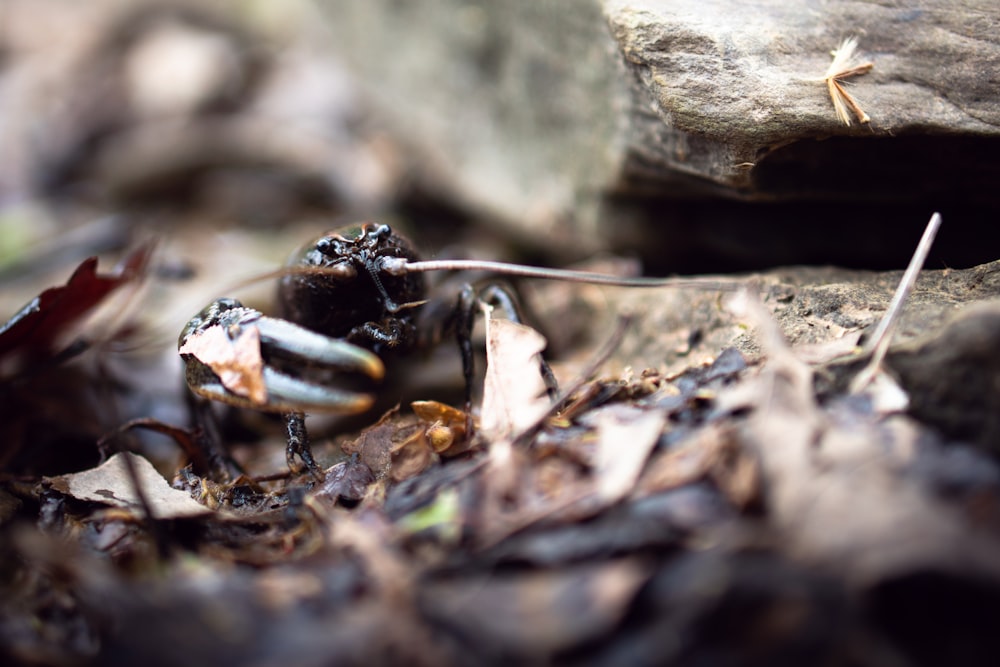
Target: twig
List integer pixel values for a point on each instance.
(878, 345)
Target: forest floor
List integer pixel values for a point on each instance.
(724, 476)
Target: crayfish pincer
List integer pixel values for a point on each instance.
(349, 301)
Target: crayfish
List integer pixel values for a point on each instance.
(350, 302)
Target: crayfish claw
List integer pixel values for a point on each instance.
(290, 339)
(235, 355)
(285, 392)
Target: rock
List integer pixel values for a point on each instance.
(953, 373)
(548, 116)
(512, 107)
(815, 308)
(943, 352)
(741, 83)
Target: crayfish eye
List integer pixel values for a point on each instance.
(224, 304)
(326, 246)
(379, 233)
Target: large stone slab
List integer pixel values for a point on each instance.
(541, 112)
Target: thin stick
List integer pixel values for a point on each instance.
(878, 345)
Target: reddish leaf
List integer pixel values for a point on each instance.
(35, 328)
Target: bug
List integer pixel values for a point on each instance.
(350, 302)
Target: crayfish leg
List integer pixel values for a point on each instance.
(298, 444)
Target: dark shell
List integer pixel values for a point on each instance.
(350, 305)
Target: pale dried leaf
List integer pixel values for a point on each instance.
(832, 493)
(885, 393)
(735, 470)
(683, 464)
(237, 361)
(411, 456)
(514, 393)
(551, 611)
(625, 438)
(111, 484)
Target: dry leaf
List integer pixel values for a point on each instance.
(54, 312)
(735, 470)
(237, 361)
(832, 493)
(625, 437)
(514, 393)
(549, 611)
(374, 445)
(348, 480)
(445, 430)
(111, 484)
(686, 463)
(411, 456)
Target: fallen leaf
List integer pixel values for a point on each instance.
(236, 361)
(712, 452)
(736, 471)
(348, 480)
(411, 456)
(514, 395)
(838, 347)
(446, 426)
(548, 610)
(45, 318)
(683, 464)
(832, 493)
(443, 515)
(375, 444)
(431, 411)
(110, 483)
(625, 438)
